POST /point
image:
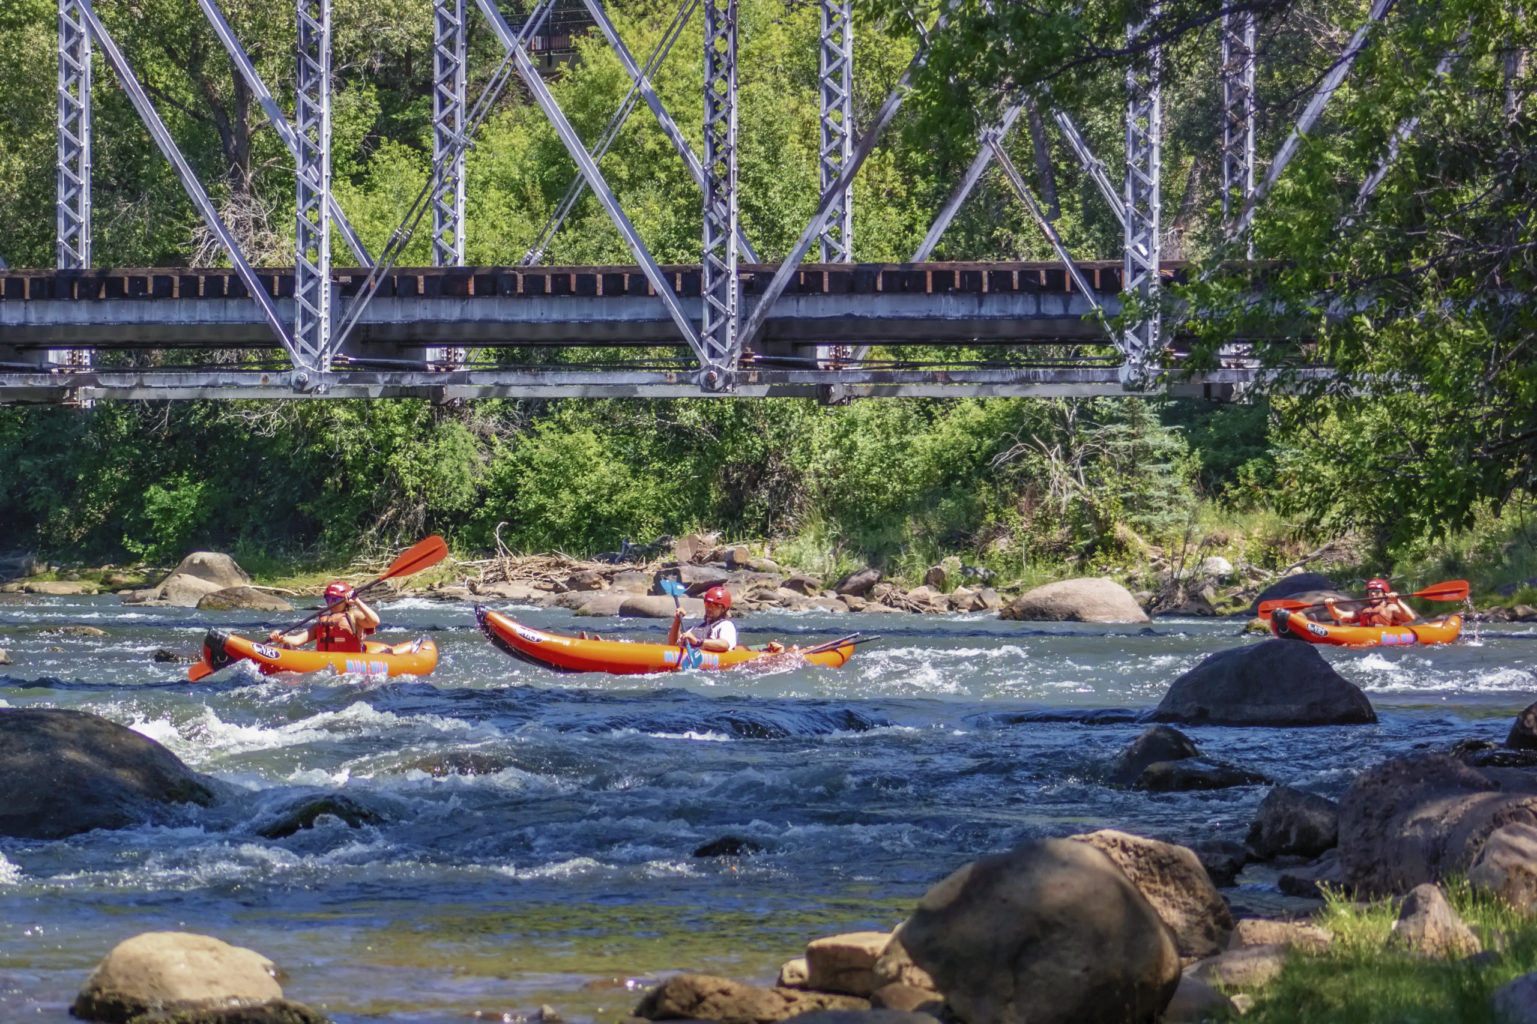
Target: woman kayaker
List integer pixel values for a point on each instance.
(1382, 608)
(716, 633)
(341, 627)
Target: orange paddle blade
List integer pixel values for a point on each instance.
(422, 555)
(1452, 590)
(199, 670)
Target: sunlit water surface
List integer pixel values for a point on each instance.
(536, 831)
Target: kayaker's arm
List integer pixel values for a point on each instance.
(1336, 614)
(677, 626)
(298, 638)
(365, 620)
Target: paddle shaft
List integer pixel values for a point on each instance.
(1454, 590)
(852, 638)
(422, 555)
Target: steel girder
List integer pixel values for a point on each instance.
(1310, 115)
(312, 246)
(74, 160)
(589, 169)
(1140, 341)
(184, 173)
(837, 119)
(718, 273)
(276, 118)
(836, 76)
(448, 109)
(1237, 115)
(448, 104)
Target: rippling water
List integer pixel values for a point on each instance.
(535, 831)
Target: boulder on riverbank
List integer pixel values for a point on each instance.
(197, 575)
(1274, 683)
(187, 977)
(1292, 823)
(66, 772)
(1418, 819)
(1052, 932)
(1092, 599)
(708, 997)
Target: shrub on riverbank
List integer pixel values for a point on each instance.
(1362, 979)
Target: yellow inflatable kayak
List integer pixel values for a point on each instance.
(416, 658)
(577, 654)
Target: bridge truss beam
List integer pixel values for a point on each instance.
(1140, 342)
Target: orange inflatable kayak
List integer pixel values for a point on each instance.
(1295, 625)
(575, 654)
(416, 658)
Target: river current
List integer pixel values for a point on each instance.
(532, 835)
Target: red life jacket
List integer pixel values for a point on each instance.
(334, 632)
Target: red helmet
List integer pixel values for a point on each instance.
(718, 595)
(337, 591)
(1377, 584)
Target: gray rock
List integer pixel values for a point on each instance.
(707, 997)
(1428, 925)
(1296, 587)
(242, 599)
(1248, 967)
(1051, 932)
(1507, 866)
(858, 584)
(1274, 683)
(1091, 599)
(1222, 859)
(1194, 773)
(1293, 823)
(1523, 731)
(66, 772)
(1157, 743)
(1418, 819)
(1515, 1002)
(192, 975)
(1174, 882)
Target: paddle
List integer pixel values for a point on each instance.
(830, 645)
(424, 554)
(1452, 590)
(692, 657)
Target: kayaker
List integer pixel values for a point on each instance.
(1382, 608)
(716, 633)
(341, 627)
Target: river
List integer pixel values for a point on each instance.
(534, 833)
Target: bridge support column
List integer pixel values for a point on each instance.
(837, 145)
(448, 104)
(312, 251)
(1238, 117)
(719, 286)
(74, 160)
(1140, 342)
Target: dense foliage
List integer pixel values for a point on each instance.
(1421, 297)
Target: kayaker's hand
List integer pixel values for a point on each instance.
(677, 614)
(774, 647)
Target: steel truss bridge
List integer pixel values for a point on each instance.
(729, 325)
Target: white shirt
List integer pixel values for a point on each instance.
(720, 629)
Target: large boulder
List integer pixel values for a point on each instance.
(1051, 932)
(189, 976)
(1091, 599)
(1418, 819)
(1175, 883)
(197, 575)
(1274, 683)
(66, 772)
